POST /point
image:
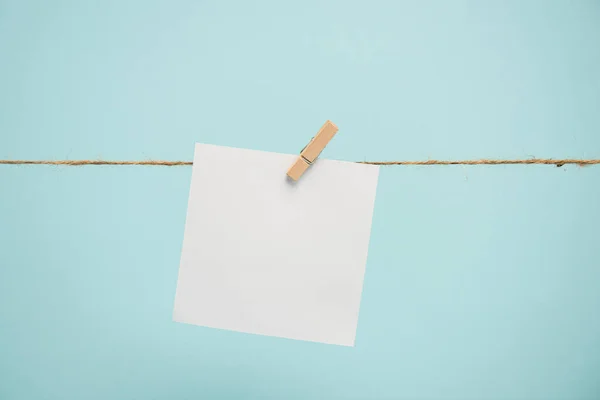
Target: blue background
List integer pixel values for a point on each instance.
(482, 282)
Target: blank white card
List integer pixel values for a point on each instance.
(266, 255)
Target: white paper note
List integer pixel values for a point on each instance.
(265, 255)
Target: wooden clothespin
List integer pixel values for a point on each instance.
(312, 150)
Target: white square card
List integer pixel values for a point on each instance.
(266, 255)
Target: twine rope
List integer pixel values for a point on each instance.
(164, 163)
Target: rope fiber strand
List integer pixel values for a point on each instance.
(162, 163)
(73, 163)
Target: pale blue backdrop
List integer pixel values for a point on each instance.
(482, 282)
